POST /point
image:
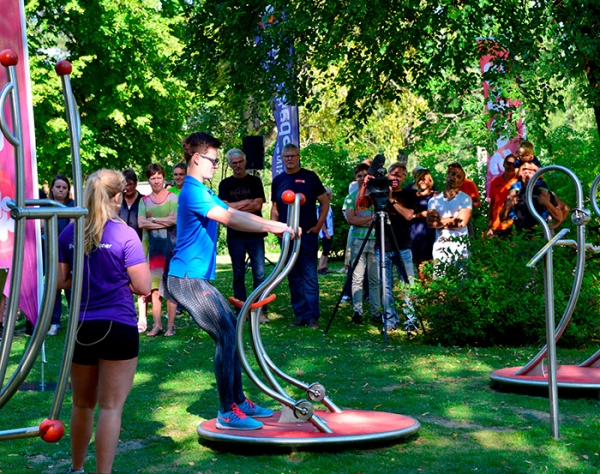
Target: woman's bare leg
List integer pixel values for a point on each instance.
(171, 312)
(142, 311)
(156, 308)
(115, 378)
(84, 381)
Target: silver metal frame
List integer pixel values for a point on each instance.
(21, 210)
(580, 217)
(293, 411)
(302, 409)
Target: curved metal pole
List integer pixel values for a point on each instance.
(591, 361)
(16, 140)
(578, 216)
(278, 393)
(265, 362)
(41, 328)
(263, 291)
(74, 124)
(282, 397)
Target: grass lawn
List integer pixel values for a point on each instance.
(466, 426)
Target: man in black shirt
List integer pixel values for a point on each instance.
(303, 280)
(244, 192)
(131, 201)
(400, 211)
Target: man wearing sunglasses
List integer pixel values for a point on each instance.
(194, 263)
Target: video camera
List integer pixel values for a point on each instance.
(379, 184)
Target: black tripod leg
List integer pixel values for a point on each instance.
(350, 273)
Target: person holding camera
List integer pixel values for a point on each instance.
(359, 214)
(545, 203)
(399, 208)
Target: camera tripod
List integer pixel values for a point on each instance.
(382, 220)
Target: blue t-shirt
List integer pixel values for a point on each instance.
(195, 254)
(105, 292)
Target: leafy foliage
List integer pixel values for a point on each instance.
(493, 299)
(376, 51)
(124, 55)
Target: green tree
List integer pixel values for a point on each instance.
(383, 48)
(125, 79)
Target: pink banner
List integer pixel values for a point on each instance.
(12, 36)
(508, 141)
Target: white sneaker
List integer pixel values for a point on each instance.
(53, 331)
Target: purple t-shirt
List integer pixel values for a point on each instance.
(105, 292)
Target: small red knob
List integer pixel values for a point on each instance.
(9, 58)
(288, 196)
(63, 68)
(51, 430)
(302, 198)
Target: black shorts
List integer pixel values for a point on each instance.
(326, 244)
(108, 340)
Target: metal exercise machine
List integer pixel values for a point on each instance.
(298, 423)
(21, 210)
(585, 376)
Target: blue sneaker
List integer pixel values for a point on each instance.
(252, 409)
(236, 419)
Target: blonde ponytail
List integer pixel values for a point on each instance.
(98, 196)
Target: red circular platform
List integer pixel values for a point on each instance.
(350, 426)
(567, 376)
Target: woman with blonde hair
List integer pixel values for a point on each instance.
(107, 342)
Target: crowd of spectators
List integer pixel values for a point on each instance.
(426, 223)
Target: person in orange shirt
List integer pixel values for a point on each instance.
(499, 188)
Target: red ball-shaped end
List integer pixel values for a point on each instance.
(63, 68)
(9, 58)
(51, 430)
(288, 196)
(302, 198)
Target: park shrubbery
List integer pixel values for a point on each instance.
(494, 299)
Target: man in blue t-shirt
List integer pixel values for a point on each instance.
(194, 263)
(303, 280)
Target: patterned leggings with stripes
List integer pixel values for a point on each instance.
(212, 313)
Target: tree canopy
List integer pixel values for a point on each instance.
(125, 54)
(383, 48)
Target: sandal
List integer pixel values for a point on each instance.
(156, 331)
(170, 331)
(142, 326)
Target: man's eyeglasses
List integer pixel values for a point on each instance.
(236, 163)
(214, 161)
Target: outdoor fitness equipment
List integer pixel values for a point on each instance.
(585, 376)
(21, 209)
(298, 423)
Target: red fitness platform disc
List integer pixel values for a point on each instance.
(567, 376)
(349, 427)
